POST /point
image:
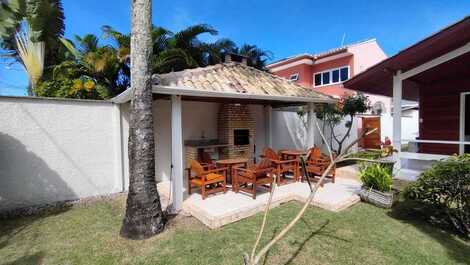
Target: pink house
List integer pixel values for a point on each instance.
(326, 71)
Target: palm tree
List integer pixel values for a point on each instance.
(46, 21)
(100, 63)
(144, 216)
(256, 56)
(174, 51)
(87, 43)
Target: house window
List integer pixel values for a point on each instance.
(335, 76)
(325, 78)
(344, 73)
(331, 76)
(294, 77)
(317, 79)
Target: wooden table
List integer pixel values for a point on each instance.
(293, 155)
(230, 163)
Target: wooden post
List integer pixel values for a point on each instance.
(176, 153)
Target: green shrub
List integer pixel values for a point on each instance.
(444, 191)
(376, 176)
(368, 154)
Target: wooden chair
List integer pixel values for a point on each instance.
(281, 167)
(205, 160)
(257, 175)
(209, 180)
(317, 163)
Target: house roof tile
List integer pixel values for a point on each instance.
(236, 78)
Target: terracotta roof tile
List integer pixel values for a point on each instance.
(236, 78)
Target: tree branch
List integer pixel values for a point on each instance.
(265, 217)
(286, 229)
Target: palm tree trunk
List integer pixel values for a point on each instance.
(144, 216)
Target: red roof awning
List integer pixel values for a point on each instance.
(378, 78)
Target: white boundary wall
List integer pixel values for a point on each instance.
(62, 149)
(290, 132)
(55, 149)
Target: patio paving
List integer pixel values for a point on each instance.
(221, 209)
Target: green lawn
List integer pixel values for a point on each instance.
(360, 235)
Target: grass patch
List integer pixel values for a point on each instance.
(363, 234)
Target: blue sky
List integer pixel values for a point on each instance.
(284, 27)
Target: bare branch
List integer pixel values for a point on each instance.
(265, 217)
(255, 259)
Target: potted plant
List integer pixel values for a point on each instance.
(377, 184)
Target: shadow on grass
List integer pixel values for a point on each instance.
(457, 248)
(265, 260)
(301, 246)
(9, 228)
(34, 259)
(319, 231)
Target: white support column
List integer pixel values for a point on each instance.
(397, 97)
(268, 115)
(310, 125)
(176, 154)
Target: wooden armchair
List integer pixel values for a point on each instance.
(317, 163)
(281, 167)
(209, 180)
(205, 160)
(257, 175)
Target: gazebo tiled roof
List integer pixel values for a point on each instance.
(234, 80)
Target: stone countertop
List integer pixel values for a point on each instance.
(204, 143)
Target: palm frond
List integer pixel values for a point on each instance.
(187, 37)
(31, 54)
(173, 59)
(87, 43)
(71, 48)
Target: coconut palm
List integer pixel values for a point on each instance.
(216, 51)
(144, 216)
(173, 51)
(100, 63)
(256, 57)
(87, 43)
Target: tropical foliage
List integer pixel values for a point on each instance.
(376, 176)
(95, 71)
(42, 21)
(84, 68)
(31, 54)
(444, 191)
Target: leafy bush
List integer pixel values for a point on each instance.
(82, 88)
(444, 190)
(367, 154)
(376, 176)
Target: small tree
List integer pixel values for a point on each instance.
(347, 108)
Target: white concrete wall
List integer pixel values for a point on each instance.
(409, 125)
(54, 150)
(290, 132)
(197, 117)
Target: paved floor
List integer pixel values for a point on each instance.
(221, 209)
